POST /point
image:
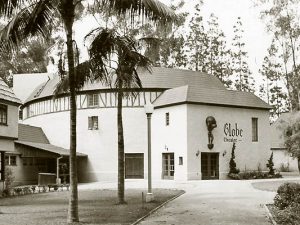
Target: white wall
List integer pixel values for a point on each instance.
(11, 129)
(282, 158)
(100, 145)
(170, 139)
(249, 155)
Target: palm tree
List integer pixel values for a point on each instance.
(34, 19)
(108, 44)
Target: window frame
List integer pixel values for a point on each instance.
(8, 160)
(92, 100)
(93, 123)
(254, 126)
(3, 118)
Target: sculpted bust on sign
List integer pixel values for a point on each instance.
(211, 123)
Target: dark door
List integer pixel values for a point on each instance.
(168, 166)
(134, 165)
(210, 166)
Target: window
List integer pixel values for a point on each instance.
(3, 114)
(10, 160)
(93, 100)
(254, 129)
(2, 172)
(180, 160)
(167, 119)
(93, 122)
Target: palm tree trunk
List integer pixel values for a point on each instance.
(68, 17)
(121, 155)
(298, 164)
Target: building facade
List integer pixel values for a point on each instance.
(183, 101)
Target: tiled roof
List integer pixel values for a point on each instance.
(32, 134)
(206, 95)
(49, 148)
(163, 78)
(7, 94)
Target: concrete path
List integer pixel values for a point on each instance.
(218, 202)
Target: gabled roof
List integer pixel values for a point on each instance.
(7, 94)
(160, 78)
(206, 95)
(35, 137)
(32, 134)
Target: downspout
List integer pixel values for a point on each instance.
(57, 170)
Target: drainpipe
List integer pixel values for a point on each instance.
(57, 170)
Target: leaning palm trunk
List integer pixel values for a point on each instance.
(68, 18)
(121, 156)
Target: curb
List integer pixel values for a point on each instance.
(271, 218)
(157, 208)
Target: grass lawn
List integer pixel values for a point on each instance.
(271, 185)
(95, 207)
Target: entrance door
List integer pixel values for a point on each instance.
(210, 166)
(134, 165)
(168, 166)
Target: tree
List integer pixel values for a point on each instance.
(291, 134)
(274, 80)
(218, 63)
(282, 21)
(197, 43)
(240, 68)
(108, 44)
(34, 18)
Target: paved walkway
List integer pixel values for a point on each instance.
(218, 202)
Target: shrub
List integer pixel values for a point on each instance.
(232, 163)
(270, 165)
(290, 215)
(9, 178)
(284, 168)
(287, 194)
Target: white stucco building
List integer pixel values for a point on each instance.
(183, 100)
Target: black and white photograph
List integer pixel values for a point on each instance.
(150, 112)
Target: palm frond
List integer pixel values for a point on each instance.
(7, 7)
(29, 21)
(152, 9)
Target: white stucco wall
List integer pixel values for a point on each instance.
(100, 145)
(249, 155)
(11, 129)
(282, 158)
(170, 139)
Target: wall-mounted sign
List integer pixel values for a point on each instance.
(232, 132)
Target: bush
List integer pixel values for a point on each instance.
(232, 163)
(270, 165)
(284, 168)
(287, 195)
(290, 215)
(249, 175)
(9, 178)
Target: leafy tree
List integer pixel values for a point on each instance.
(282, 21)
(218, 63)
(240, 68)
(197, 43)
(34, 18)
(291, 134)
(274, 79)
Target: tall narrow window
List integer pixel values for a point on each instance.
(93, 100)
(167, 119)
(254, 129)
(3, 114)
(93, 122)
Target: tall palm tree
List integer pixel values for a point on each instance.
(34, 19)
(107, 44)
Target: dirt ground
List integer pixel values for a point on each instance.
(95, 207)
